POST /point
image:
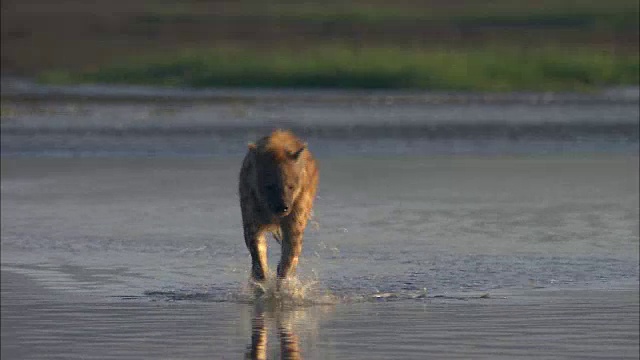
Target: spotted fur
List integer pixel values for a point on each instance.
(278, 182)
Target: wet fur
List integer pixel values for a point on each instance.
(278, 172)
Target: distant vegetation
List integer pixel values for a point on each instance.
(587, 15)
(344, 67)
(497, 45)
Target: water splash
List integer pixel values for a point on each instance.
(293, 292)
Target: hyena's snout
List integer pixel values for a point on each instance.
(278, 203)
(281, 208)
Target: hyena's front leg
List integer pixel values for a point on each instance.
(291, 249)
(293, 232)
(257, 245)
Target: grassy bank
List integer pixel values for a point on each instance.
(488, 69)
(586, 15)
(40, 35)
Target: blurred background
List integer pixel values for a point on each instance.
(362, 76)
(495, 45)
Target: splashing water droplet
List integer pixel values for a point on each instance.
(289, 293)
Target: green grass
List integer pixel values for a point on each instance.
(490, 69)
(578, 14)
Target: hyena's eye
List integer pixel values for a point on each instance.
(290, 187)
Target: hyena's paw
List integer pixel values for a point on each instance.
(257, 288)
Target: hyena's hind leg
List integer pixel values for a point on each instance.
(257, 245)
(277, 234)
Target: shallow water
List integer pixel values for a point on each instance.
(579, 324)
(130, 249)
(131, 121)
(506, 236)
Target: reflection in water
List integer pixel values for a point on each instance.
(283, 319)
(291, 307)
(294, 312)
(258, 347)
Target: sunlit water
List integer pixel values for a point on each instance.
(453, 231)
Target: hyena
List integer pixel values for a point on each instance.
(278, 182)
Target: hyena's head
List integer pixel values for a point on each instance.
(279, 175)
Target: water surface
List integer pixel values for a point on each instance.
(453, 230)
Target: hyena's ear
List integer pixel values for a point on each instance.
(296, 155)
(251, 146)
